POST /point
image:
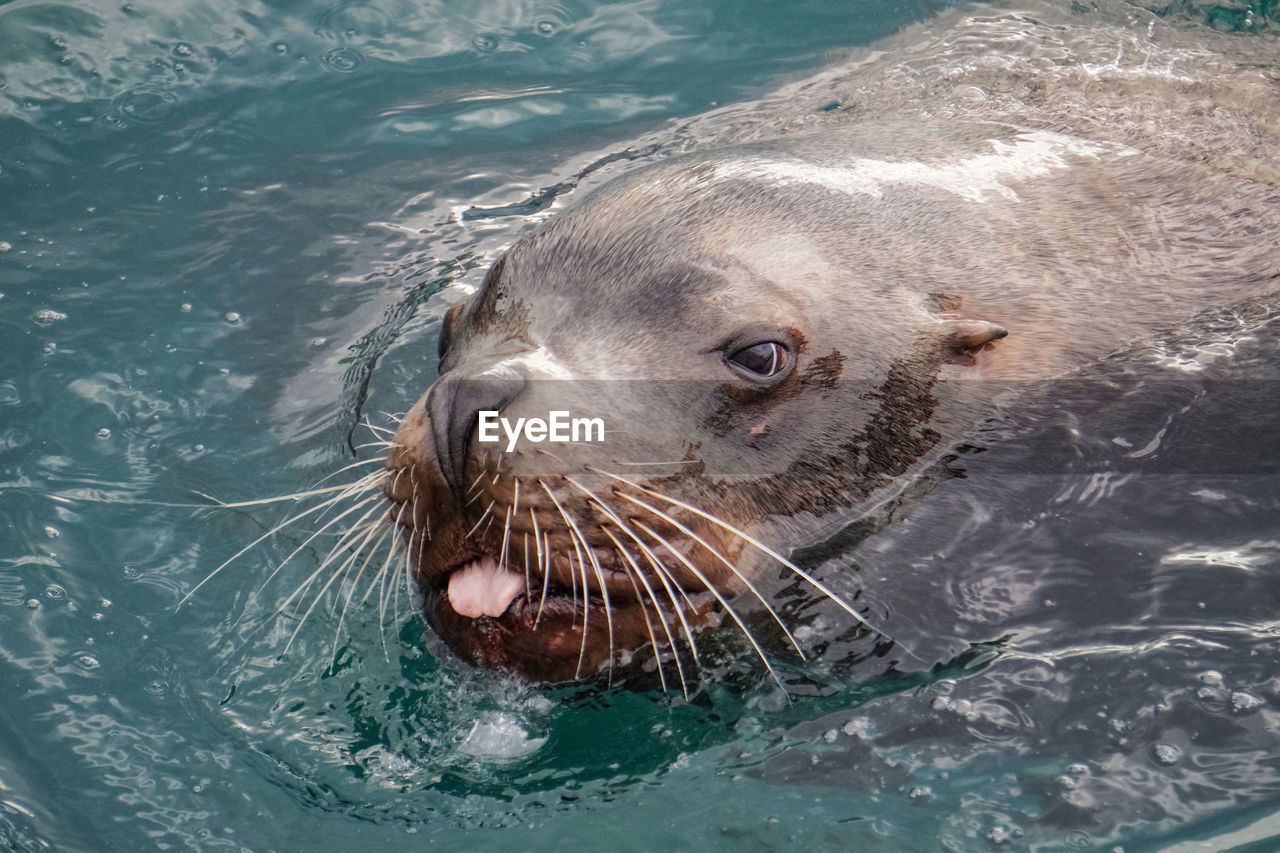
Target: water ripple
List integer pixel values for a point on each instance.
(342, 60)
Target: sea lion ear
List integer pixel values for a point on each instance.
(962, 338)
(449, 325)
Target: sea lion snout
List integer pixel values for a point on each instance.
(453, 405)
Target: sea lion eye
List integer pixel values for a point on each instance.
(764, 359)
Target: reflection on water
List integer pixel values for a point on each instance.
(228, 235)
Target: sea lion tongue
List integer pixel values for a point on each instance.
(482, 588)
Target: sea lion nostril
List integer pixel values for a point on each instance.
(453, 406)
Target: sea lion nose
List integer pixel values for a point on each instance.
(454, 405)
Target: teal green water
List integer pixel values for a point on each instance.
(224, 229)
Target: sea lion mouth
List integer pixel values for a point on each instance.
(495, 617)
(483, 587)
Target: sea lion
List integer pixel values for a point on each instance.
(774, 335)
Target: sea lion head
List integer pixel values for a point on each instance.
(745, 374)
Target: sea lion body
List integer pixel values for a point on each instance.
(880, 264)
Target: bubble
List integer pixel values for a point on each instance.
(317, 343)
(4, 247)
(1213, 678)
(185, 308)
(87, 661)
(999, 835)
(52, 532)
(280, 48)
(485, 42)
(9, 395)
(855, 727)
(55, 592)
(144, 105)
(500, 736)
(182, 50)
(1242, 702)
(104, 433)
(546, 28)
(131, 571)
(342, 60)
(156, 686)
(47, 317)
(232, 317)
(1166, 753)
(32, 604)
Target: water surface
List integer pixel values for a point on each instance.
(227, 234)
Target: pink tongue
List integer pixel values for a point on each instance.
(480, 588)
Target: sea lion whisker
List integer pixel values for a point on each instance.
(343, 569)
(546, 550)
(408, 580)
(483, 516)
(354, 529)
(324, 564)
(542, 451)
(668, 581)
(542, 569)
(515, 509)
(595, 569)
(237, 555)
(396, 528)
(361, 526)
(814, 582)
(636, 574)
(334, 576)
(648, 627)
(386, 581)
(659, 568)
(671, 462)
(506, 536)
(746, 632)
(373, 478)
(348, 534)
(296, 496)
(387, 443)
(477, 482)
(355, 582)
(374, 428)
(575, 535)
(715, 553)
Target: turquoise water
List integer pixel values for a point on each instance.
(227, 234)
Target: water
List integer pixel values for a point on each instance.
(228, 233)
